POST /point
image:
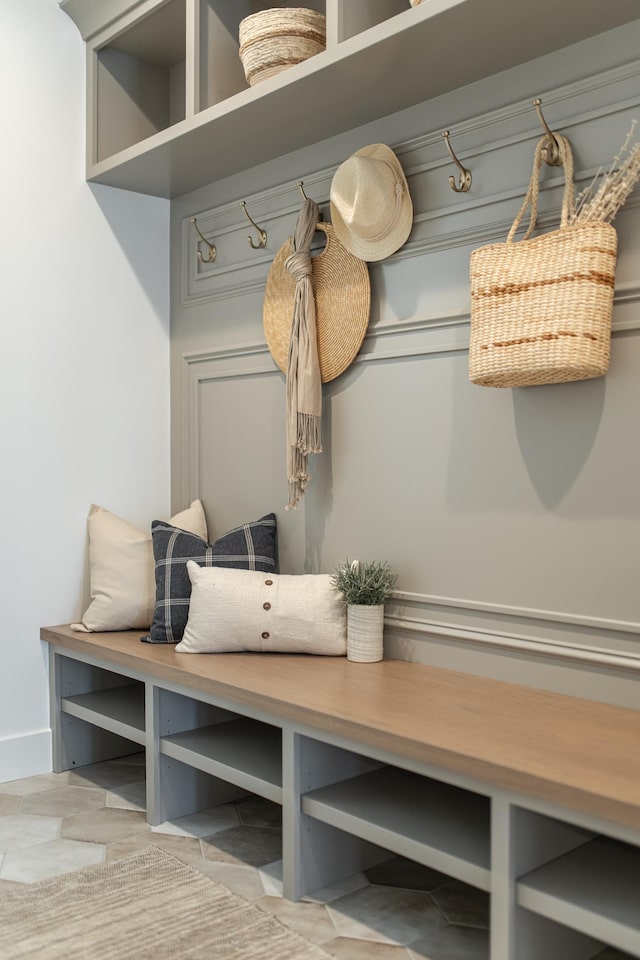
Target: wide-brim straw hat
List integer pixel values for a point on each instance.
(371, 208)
(342, 293)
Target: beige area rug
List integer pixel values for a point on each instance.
(147, 905)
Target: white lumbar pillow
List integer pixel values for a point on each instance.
(122, 569)
(233, 610)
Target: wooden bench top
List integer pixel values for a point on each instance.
(577, 753)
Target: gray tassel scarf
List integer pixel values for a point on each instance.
(304, 384)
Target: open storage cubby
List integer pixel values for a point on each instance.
(236, 749)
(594, 889)
(220, 71)
(104, 699)
(140, 80)
(356, 16)
(169, 109)
(97, 714)
(431, 822)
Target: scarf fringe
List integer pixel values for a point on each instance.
(298, 479)
(309, 438)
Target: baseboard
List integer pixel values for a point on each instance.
(25, 755)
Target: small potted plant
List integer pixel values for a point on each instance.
(364, 587)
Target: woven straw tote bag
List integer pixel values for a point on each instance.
(541, 307)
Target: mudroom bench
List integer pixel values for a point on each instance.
(529, 795)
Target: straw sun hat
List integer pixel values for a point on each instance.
(371, 208)
(342, 293)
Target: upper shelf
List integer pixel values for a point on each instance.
(380, 58)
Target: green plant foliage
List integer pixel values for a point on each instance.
(366, 583)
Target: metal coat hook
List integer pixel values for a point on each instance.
(262, 242)
(465, 175)
(212, 250)
(550, 153)
(300, 186)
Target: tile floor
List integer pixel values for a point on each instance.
(57, 823)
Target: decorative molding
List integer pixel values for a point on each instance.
(93, 18)
(374, 347)
(422, 156)
(572, 637)
(233, 361)
(522, 110)
(523, 613)
(570, 653)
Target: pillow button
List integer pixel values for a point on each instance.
(265, 635)
(268, 583)
(266, 606)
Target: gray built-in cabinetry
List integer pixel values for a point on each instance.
(169, 109)
(562, 882)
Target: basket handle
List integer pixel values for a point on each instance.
(531, 199)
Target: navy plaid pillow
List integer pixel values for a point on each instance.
(252, 546)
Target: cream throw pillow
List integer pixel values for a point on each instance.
(122, 569)
(264, 612)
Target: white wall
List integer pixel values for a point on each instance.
(84, 359)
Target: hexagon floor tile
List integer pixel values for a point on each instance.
(386, 914)
(202, 824)
(57, 823)
(46, 860)
(24, 830)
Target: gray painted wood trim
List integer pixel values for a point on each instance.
(187, 159)
(91, 16)
(340, 758)
(426, 164)
(626, 294)
(397, 646)
(55, 716)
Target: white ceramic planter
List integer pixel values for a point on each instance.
(365, 625)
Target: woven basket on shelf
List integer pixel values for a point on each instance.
(272, 40)
(541, 308)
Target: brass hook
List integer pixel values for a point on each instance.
(550, 153)
(465, 175)
(212, 249)
(262, 242)
(300, 185)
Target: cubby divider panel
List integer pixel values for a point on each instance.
(436, 824)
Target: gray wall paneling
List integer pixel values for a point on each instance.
(510, 515)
